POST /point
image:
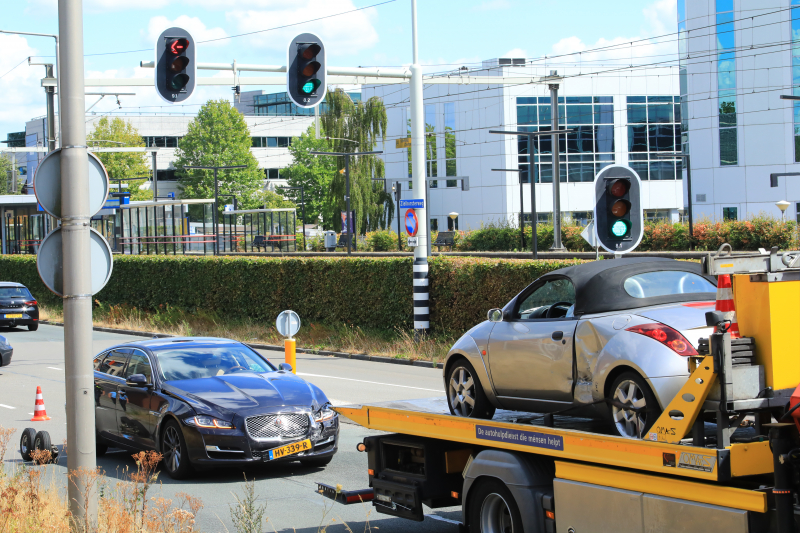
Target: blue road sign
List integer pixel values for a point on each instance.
(412, 204)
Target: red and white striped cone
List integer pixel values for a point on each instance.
(725, 303)
(39, 412)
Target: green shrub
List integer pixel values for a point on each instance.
(382, 241)
(363, 292)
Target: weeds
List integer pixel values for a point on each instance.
(247, 515)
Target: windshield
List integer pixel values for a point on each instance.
(667, 282)
(15, 292)
(195, 362)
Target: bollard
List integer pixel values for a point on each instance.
(290, 347)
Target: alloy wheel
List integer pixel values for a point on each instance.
(631, 420)
(495, 515)
(172, 449)
(461, 392)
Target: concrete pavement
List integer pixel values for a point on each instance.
(288, 489)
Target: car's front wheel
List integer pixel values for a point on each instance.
(633, 406)
(465, 396)
(175, 454)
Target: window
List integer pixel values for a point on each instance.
(434, 224)
(582, 217)
(113, 364)
(431, 169)
(452, 225)
(726, 84)
(98, 361)
(139, 364)
(538, 304)
(161, 142)
(657, 214)
(450, 141)
(730, 213)
(666, 282)
(15, 292)
(655, 131)
(272, 173)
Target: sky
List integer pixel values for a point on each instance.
(118, 34)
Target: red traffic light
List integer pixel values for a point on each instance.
(619, 188)
(311, 51)
(177, 46)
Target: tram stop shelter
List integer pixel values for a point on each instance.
(23, 224)
(259, 230)
(171, 227)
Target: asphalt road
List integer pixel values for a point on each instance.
(288, 489)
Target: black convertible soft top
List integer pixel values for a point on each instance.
(599, 284)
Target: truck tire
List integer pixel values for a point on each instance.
(26, 443)
(42, 442)
(492, 509)
(465, 396)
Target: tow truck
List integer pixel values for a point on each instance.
(699, 469)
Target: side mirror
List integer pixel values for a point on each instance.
(285, 366)
(136, 380)
(495, 315)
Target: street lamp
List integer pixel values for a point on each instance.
(783, 205)
(453, 216)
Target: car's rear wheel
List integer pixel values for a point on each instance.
(465, 396)
(633, 406)
(173, 448)
(33, 327)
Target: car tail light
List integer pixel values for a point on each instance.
(32, 302)
(667, 336)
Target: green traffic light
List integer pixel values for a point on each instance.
(178, 82)
(310, 86)
(620, 228)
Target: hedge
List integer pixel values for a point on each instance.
(366, 292)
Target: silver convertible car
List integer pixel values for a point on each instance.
(603, 339)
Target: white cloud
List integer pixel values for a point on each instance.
(342, 35)
(23, 96)
(193, 25)
(45, 7)
(492, 5)
(516, 52)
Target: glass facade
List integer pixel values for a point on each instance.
(431, 169)
(279, 104)
(653, 130)
(433, 156)
(583, 153)
(450, 142)
(796, 76)
(726, 84)
(161, 142)
(271, 142)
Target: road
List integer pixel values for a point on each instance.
(287, 489)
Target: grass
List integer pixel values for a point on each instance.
(346, 338)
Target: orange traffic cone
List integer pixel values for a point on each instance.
(39, 412)
(725, 303)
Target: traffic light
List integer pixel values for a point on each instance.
(176, 67)
(305, 75)
(618, 209)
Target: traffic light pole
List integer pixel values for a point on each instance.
(557, 246)
(77, 278)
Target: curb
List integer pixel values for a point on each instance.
(343, 355)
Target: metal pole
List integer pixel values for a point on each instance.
(316, 126)
(534, 215)
(421, 296)
(397, 195)
(522, 208)
(77, 279)
(14, 172)
(51, 111)
(557, 246)
(303, 200)
(689, 197)
(216, 208)
(347, 201)
(155, 177)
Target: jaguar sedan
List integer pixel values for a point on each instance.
(602, 339)
(207, 402)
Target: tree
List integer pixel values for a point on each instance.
(5, 168)
(313, 173)
(273, 200)
(219, 136)
(357, 127)
(122, 165)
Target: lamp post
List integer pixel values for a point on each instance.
(216, 197)
(346, 156)
(453, 216)
(783, 205)
(687, 160)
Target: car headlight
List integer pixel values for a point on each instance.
(325, 413)
(203, 421)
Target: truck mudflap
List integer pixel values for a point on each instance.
(398, 499)
(345, 497)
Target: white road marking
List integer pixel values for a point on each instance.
(443, 519)
(7, 406)
(371, 382)
(54, 368)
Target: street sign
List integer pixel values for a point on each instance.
(288, 323)
(416, 203)
(413, 241)
(404, 142)
(588, 234)
(50, 261)
(47, 184)
(412, 223)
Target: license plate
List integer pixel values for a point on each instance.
(14, 315)
(289, 449)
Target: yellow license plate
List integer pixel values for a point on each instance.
(289, 449)
(15, 315)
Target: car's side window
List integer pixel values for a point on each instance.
(98, 361)
(554, 299)
(113, 364)
(139, 364)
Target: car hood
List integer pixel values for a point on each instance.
(688, 317)
(248, 393)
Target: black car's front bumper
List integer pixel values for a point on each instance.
(5, 356)
(217, 447)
